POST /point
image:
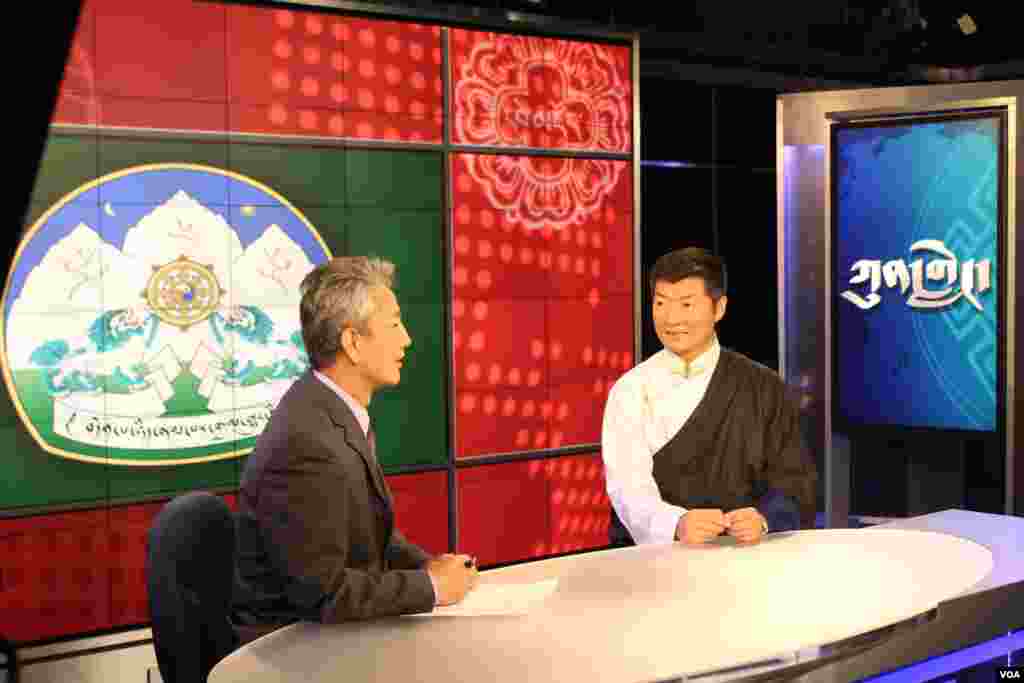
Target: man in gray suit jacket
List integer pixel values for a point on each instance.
(316, 534)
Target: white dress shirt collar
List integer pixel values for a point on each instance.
(362, 417)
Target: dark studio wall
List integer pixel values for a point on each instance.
(718, 193)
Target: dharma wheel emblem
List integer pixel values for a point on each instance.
(183, 292)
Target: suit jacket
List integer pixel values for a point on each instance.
(316, 536)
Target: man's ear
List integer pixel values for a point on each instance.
(350, 345)
(720, 307)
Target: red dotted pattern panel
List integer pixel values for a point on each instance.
(503, 511)
(202, 66)
(74, 572)
(421, 508)
(521, 510)
(578, 502)
(541, 299)
(315, 74)
(526, 91)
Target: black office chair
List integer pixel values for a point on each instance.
(189, 569)
(9, 663)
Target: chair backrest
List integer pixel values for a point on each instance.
(190, 564)
(8, 661)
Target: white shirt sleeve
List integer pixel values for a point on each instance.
(629, 469)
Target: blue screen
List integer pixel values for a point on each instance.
(916, 223)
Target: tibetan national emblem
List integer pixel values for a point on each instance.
(149, 320)
(518, 91)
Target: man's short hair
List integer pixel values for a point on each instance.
(336, 295)
(690, 262)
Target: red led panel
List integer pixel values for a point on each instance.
(523, 91)
(421, 508)
(127, 543)
(542, 312)
(503, 511)
(544, 202)
(597, 344)
(183, 115)
(579, 505)
(516, 511)
(76, 572)
(165, 69)
(309, 73)
(78, 100)
(54, 575)
(175, 52)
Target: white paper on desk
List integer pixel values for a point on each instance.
(490, 599)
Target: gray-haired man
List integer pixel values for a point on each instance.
(316, 535)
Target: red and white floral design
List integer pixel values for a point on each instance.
(538, 93)
(534, 92)
(545, 192)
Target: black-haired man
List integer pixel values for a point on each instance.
(699, 440)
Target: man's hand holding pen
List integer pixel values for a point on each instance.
(454, 576)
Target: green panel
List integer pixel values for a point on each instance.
(131, 482)
(411, 420)
(329, 221)
(397, 180)
(411, 240)
(117, 154)
(68, 162)
(31, 477)
(8, 414)
(35, 210)
(303, 175)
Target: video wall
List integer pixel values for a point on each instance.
(201, 159)
(917, 216)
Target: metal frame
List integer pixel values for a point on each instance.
(780, 233)
(449, 237)
(523, 23)
(638, 279)
(837, 447)
(520, 456)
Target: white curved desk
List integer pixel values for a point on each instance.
(659, 612)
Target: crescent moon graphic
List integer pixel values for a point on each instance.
(108, 209)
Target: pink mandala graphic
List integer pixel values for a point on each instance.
(537, 93)
(544, 192)
(532, 92)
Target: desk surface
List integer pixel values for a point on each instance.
(650, 613)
